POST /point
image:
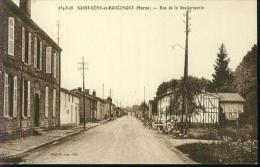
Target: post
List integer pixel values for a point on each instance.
(185, 100)
(83, 68)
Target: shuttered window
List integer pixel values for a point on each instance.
(48, 60)
(11, 36)
(35, 52)
(15, 98)
(29, 49)
(46, 101)
(23, 44)
(6, 96)
(54, 65)
(29, 99)
(54, 103)
(40, 55)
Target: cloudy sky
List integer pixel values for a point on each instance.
(127, 50)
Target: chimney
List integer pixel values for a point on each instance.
(25, 6)
(87, 91)
(79, 89)
(94, 93)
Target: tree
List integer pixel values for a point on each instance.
(245, 83)
(194, 87)
(223, 74)
(163, 87)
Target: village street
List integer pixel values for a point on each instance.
(123, 140)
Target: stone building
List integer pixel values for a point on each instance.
(90, 105)
(29, 73)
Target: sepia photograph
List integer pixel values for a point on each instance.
(128, 82)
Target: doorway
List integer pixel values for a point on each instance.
(36, 110)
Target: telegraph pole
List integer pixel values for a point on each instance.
(185, 99)
(144, 103)
(58, 38)
(82, 67)
(103, 88)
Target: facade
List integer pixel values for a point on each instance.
(29, 73)
(231, 104)
(100, 109)
(69, 108)
(90, 105)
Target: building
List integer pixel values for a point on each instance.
(69, 108)
(29, 73)
(209, 107)
(90, 105)
(100, 109)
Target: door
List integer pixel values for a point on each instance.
(36, 110)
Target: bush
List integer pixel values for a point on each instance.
(224, 151)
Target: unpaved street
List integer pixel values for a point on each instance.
(123, 140)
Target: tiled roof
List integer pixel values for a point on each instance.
(230, 97)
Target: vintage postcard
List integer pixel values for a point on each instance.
(128, 82)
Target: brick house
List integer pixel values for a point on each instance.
(29, 73)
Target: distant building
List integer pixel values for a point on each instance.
(29, 72)
(69, 108)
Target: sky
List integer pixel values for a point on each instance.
(129, 50)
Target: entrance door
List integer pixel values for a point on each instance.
(36, 110)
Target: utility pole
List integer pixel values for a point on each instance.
(110, 101)
(82, 67)
(185, 99)
(144, 103)
(58, 38)
(103, 89)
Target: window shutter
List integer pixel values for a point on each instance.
(48, 59)
(23, 44)
(54, 64)
(29, 49)
(11, 36)
(15, 98)
(40, 55)
(54, 103)
(23, 98)
(35, 52)
(29, 99)
(6, 104)
(46, 101)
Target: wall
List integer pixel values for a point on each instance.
(69, 113)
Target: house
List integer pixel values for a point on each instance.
(209, 107)
(100, 109)
(90, 105)
(232, 104)
(29, 73)
(69, 108)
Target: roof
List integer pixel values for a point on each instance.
(12, 6)
(69, 92)
(230, 97)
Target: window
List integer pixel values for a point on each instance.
(29, 48)
(10, 96)
(54, 103)
(54, 64)
(11, 36)
(48, 60)
(40, 57)
(23, 44)
(6, 107)
(46, 101)
(35, 53)
(26, 98)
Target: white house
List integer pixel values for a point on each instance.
(211, 104)
(69, 108)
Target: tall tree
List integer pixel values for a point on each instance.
(245, 83)
(223, 74)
